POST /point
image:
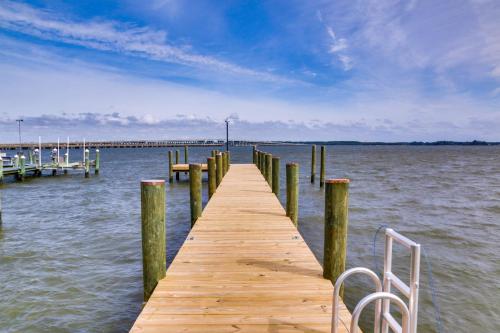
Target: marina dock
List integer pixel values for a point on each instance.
(244, 267)
(185, 167)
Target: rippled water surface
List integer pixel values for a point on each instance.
(70, 251)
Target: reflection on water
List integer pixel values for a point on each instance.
(70, 254)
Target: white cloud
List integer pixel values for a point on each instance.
(115, 37)
(337, 47)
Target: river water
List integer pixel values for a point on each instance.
(70, 249)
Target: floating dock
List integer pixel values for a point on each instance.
(185, 167)
(244, 267)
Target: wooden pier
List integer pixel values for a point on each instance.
(244, 267)
(185, 167)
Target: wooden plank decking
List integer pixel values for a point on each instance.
(244, 267)
(185, 167)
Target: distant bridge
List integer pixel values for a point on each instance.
(137, 144)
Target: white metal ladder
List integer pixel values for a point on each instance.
(383, 295)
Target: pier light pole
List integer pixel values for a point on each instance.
(227, 134)
(19, 121)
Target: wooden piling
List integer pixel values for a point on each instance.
(224, 163)
(292, 192)
(268, 174)
(212, 176)
(262, 161)
(276, 176)
(22, 167)
(1, 169)
(218, 169)
(97, 161)
(195, 191)
(170, 167)
(186, 159)
(336, 224)
(313, 163)
(87, 163)
(322, 167)
(214, 153)
(254, 154)
(153, 234)
(177, 159)
(228, 160)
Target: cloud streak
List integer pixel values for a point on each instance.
(115, 37)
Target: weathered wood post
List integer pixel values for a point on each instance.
(257, 161)
(22, 167)
(254, 154)
(224, 163)
(218, 169)
(177, 158)
(87, 163)
(170, 167)
(212, 176)
(276, 176)
(97, 161)
(153, 234)
(268, 174)
(313, 163)
(262, 162)
(1, 169)
(228, 160)
(292, 192)
(336, 223)
(195, 191)
(186, 158)
(322, 167)
(214, 153)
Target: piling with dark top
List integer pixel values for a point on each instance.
(336, 224)
(322, 167)
(177, 159)
(313, 163)
(218, 169)
(292, 192)
(212, 176)
(254, 154)
(276, 176)
(87, 163)
(153, 234)
(97, 161)
(195, 191)
(268, 174)
(170, 167)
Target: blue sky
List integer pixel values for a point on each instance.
(306, 70)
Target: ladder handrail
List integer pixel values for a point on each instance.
(336, 295)
(377, 297)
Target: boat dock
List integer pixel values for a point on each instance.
(244, 267)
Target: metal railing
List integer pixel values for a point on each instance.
(383, 295)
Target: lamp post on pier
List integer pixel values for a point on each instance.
(19, 121)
